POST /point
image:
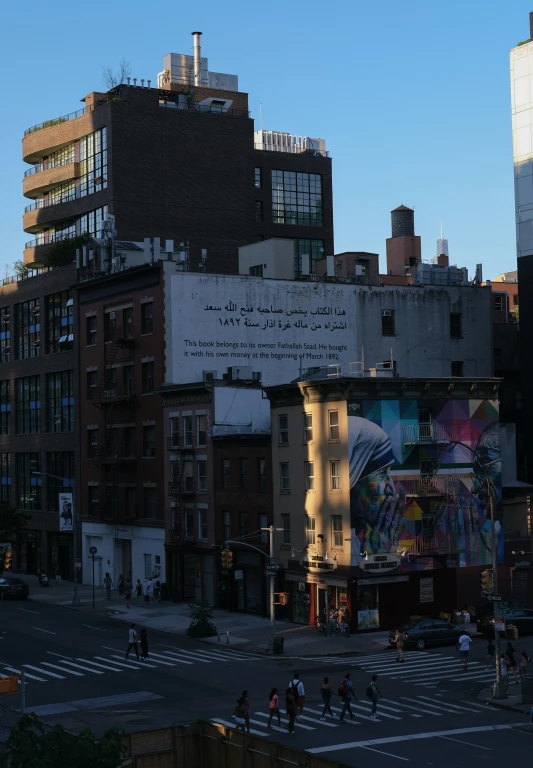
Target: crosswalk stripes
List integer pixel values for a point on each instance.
(62, 667)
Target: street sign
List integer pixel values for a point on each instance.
(273, 566)
(495, 598)
(92, 550)
(499, 623)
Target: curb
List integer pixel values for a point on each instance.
(511, 707)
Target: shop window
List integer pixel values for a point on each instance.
(367, 607)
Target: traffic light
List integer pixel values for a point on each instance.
(226, 558)
(8, 561)
(282, 598)
(486, 581)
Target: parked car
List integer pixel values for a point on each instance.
(522, 618)
(420, 633)
(12, 587)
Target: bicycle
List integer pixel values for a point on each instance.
(321, 625)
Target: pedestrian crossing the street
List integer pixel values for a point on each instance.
(403, 708)
(58, 666)
(420, 667)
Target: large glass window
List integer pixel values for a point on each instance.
(28, 405)
(5, 406)
(93, 162)
(59, 322)
(5, 334)
(313, 248)
(28, 483)
(297, 198)
(27, 329)
(92, 223)
(60, 396)
(5, 477)
(62, 156)
(62, 193)
(59, 476)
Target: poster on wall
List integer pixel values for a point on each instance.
(417, 480)
(66, 508)
(427, 594)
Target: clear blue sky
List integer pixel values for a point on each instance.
(411, 97)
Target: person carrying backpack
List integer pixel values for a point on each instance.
(325, 692)
(346, 692)
(299, 694)
(290, 707)
(373, 692)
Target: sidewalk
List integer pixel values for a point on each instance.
(247, 631)
(513, 701)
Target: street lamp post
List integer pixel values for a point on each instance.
(75, 596)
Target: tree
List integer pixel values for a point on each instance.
(11, 520)
(113, 77)
(32, 743)
(21, 268)
(201, 624)
(63, 252)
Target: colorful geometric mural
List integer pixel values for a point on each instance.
(418, 481)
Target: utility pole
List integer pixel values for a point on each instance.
(272, 578)
(498, 692)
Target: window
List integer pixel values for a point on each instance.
(201, 431)
(93, 500)
(189, 521)
(387, 322)
(28, 484)
(150, 503)
(93, 163)
(243, 518)
(92, 443)
(149, 442)
(226, 521)
(261, 474)
(92, 223)
(456, 325)
(5, 406)
(92, 385)
(498, 303)
(263, 523)
(427, 468)
(128, 380)
(188, 475)
(312, 248)
(59, 477)
(297, 198)
(28, 405)
(225, 473)
(91, 336)
(201, 467)
(127, 319)
(259, 210)
(286, 532)
(110, 382)
(110, 328)
(187, 431)
(336, 530)
(27, 329)
(457, 367)
(203, 531)
(308, 427)
(148, 378)
(5, 477)
(256, 271)
(60, 395)
(243, 466)
(148, 561)
(333, 417)
(174, 432)
(284, 476)
(5, 334)
(111, 442)
(310, 530)
(59, 322)
(309, 472)
(147, 317)
(128, 441)
(258, 178)
(515, 300)
(283, 429)
(335, 471)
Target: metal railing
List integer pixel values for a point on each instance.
(26, 275)
(438, 485)
(294, 149)
(51, 240)
(428, 433)
(178, 488)
(207, 108)
(48, 203)
(72, 116)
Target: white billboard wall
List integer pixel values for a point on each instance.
(276, 327)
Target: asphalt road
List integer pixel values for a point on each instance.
(429, 714)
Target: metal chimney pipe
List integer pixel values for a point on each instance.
(197, 55)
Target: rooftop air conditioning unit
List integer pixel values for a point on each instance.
(209, 375)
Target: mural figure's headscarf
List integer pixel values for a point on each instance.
(369, 448)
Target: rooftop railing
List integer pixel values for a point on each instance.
(25, 275)
(72, 116)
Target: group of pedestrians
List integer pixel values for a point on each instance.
(126, 589)
(295, 702)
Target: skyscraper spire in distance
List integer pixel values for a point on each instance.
(442, 243)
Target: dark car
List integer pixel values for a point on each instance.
(522, 618)
(12, 587)
(420, 633)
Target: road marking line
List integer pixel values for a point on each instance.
(274, 727)
(438, 707)
(410, 706)
(468, 744)
(411, 737)
(159, 659)
(96, 664)
(311, 720)
(27, 674)
(26, 610)
(117, 663)
(368, 710)
(98, 629)
(45, 630)
(455, 706)
(404, 670)
(286, 720)
(190, 655)
(135, 664)
(61, 669)
(389, 754)
(319, 712)
(61, 655)
(234, 726)
(363, 717)
(44, 671)
(86, 669)
(112, 649)
(222, 656)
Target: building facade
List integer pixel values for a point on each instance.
(380, 494)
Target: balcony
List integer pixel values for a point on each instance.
(35, 251)
(430, 433)
(438, 485)
(38, 181)
(182, 488)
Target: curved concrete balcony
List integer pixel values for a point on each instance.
(35, 255)
(58, 133)
(42, 181)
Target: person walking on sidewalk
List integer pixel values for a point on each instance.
(522, 665)
(144, 644)
(491, 648)
(290, 706)
(132, 641)
(325, 692)
(246, 703)
(346, 692)
(108, 583)
(510, 660)
(504, 673)
(399, 639)
(463, 644)
(373, 693)
(127, 592)
(59, 573)
(120, 585)
(299, 693)
(273, 707)
(139, 589)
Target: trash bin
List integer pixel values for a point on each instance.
(278, 645)
(511, 632)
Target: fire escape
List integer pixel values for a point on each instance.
(181, 488)
(114, 454)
